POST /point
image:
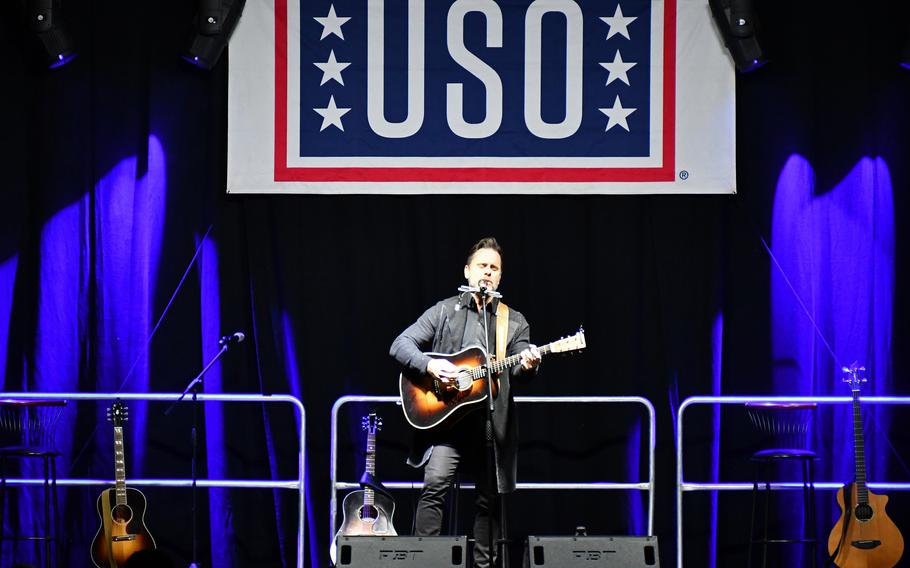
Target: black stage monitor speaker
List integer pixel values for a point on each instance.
(402, 551)
(591, 552)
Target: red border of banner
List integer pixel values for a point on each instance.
(664, 173)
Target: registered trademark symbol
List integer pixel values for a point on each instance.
(684, 175)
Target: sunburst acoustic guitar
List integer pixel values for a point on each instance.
(122, 509)
(427, 402)
(864, 536)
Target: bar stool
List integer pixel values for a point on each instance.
(785, 428)
(27, 431)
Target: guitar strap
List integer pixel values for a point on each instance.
(371, 481)
(848, 514)
(502, 330)
(107, 521)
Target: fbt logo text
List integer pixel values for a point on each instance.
(593, 555)
(399, 554)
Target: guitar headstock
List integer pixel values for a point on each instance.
(571, 343)
(853, 376)
(372, 423)
(118, 413)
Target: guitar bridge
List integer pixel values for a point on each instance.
(123, 538)
(866, 544)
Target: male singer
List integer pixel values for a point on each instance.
(448, 327)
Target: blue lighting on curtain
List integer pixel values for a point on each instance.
(717, 350)
(106, 243)
(129, 223)
(57, 337)
(636, 515)
(215, 443)
(836, 246)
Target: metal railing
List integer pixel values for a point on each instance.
(683, 486)
(297, 484)
(639, 486)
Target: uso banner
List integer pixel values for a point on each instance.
(479, 96)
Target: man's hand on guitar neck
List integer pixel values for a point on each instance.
(530, 358)
(443, 370)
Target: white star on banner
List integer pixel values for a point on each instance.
(618, 69)
(618, 23)
(617, 115)
(331, 69)
(331, 115)
(331, 24)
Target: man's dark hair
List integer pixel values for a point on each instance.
(484, 243)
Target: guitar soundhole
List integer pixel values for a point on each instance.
(368, 514)
(464, 381)
(863, 512)
(122, 514)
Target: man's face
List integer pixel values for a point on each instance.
(486, 267)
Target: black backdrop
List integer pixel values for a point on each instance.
(339, 276)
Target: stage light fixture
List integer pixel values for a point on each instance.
(46, 22)
(215, 22)
(738, 25)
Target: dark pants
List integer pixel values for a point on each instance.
(437, 479)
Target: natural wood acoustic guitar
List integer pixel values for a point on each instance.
(864, 536)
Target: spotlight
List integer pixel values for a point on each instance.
(738, 24)
(214, 24)
(46, 22)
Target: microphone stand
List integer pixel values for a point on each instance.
(484, 293)
(194, 387)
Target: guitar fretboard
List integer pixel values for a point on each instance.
(859, 452)
(370, 467)
(119, 466)
(497, 366)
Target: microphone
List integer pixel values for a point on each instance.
(482, 288)
(237, 337)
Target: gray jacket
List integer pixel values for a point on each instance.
(440, 329)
